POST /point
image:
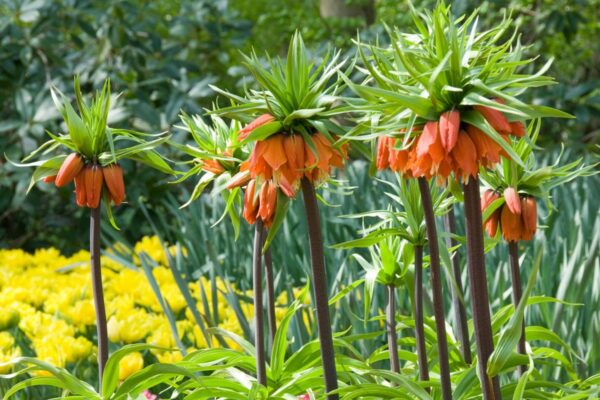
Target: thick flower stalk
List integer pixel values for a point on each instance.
(93, 166)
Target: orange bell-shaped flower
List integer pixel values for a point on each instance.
(529, 216)
(511, 225)
(512, 200)
(80, 192)
(113, 177)
(250, 203)
(69, 169)
(490, 224)
(464, 155)
(93, 185)
(268, 203)
(449, 128)
(495, 118)
(213, 166)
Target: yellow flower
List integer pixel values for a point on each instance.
(162, 336)
(39, 324)
(130, 364)
(7, 351)
(61, 350)
(152, 247)
(169, 357)
(49, 297)
(6, 341)
(9, 317)
(130, 326)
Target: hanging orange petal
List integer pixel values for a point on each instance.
(511, 225)
(495, 118)
(512, 200)
(429, 142)
(449, 127)
(49, 179)
(274, 153)
(383, 151)
(399, 159)
(529, 215)
(267, 202)
(239, 179)
(93, 185)
(491, 225)
(287, 188)
(258, 122)
(464, 156)
(257, 165)
(80, 192)
(250, 203)
(324, 151)
(488, 151)
(517, 128)
(213, 166)
(69, 169)
(113, 176)
(294, 151)
(489, 196)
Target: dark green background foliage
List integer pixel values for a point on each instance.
(161, 56)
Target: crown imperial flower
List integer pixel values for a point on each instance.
(69, 169)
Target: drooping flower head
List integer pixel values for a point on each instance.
(94, 151)
(443, 100)
(288, 124)
(509, 205)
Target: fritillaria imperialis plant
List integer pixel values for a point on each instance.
(446, 98)
(94, 151)
(290, 126)
(219, 158)
(509, 205)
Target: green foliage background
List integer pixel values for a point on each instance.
(161, 57)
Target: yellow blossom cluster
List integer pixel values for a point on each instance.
(47, 299)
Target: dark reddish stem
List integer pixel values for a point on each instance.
(270, 292)
(320, 287)
(513, 250)
(259, 335)
(391, 329)
(478, 287)
(436, 288)
(418, 304)
(98, 292)
(460, 313)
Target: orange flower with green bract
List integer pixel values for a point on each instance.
(448, 146)
(280, 162)
(287, 158)
(516, 218)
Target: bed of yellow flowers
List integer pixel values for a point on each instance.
(46, 307)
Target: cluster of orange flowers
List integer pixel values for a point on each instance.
(447, 146)
(280, 162)
(89, 179)
(517, 218)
